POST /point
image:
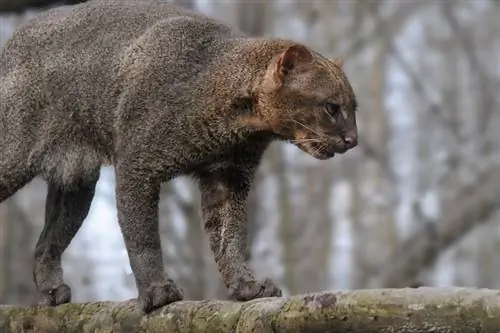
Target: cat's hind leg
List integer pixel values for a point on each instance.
(66, 208)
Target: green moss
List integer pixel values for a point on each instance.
(350, 312)
(215, 317)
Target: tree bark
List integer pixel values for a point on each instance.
(409, 310)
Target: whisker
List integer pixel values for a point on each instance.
(305, 140)
(318, 149)
(301, 124)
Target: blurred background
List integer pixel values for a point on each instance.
(416, 203)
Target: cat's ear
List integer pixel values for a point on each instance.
(339, 62)
(293, 57)
(283, 64)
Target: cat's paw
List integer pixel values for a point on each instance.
(159, 294)
(55, 296)
(248, 290)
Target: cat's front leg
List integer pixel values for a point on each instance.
(137, 198)
(224, 192)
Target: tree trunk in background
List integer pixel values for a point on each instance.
(189, 4)
(426, 142)
(197, 244)
(484, 100)
(251, 17)
(458, 121)
(474, 126)
(16, 261)
(4, 258)
(314, 230)
(288, 234)
(376, 232)
(452, 180)
(355, 213)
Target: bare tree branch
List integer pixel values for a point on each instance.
(394, 22)
(486, 100)
(460, 215)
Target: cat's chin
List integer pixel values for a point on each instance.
(318, 152)
(322, 156)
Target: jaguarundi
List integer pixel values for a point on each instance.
(157, 91)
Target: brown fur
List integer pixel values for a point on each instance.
(156, 91)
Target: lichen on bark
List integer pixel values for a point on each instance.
(409, 310)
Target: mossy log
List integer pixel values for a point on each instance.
(419, 310)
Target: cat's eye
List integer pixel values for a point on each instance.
(332, 108)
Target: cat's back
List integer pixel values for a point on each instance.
(70, 58)
(91, 30)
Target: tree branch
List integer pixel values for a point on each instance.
(487, 90)
(369, 311)
(393, 23)
(460, 215)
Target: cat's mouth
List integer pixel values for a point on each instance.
(321, 150)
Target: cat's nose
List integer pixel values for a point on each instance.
(350, 141)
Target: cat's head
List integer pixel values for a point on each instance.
(308, 100)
